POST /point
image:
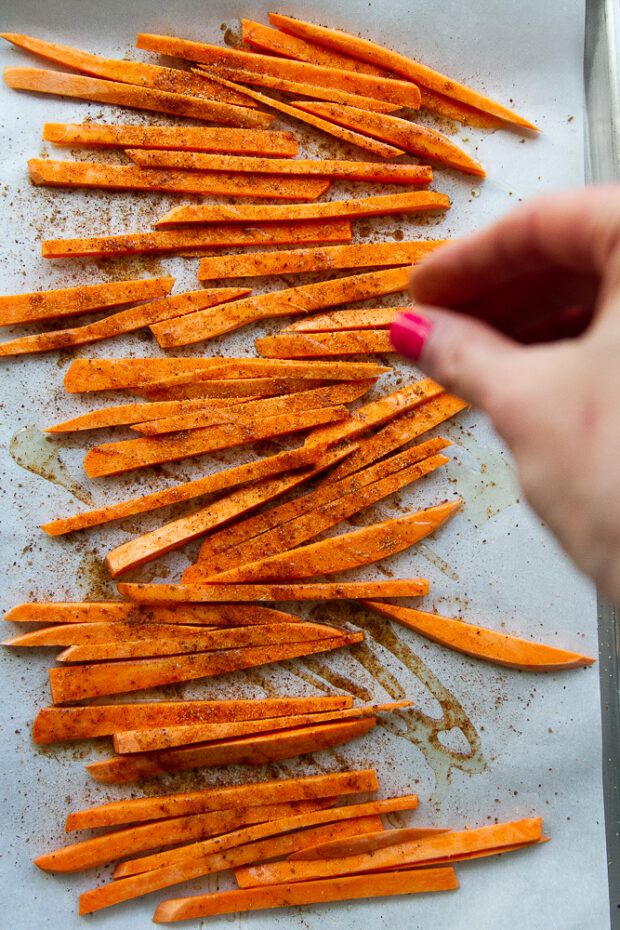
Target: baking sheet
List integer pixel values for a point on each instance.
(514, 744)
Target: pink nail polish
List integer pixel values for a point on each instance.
(409, 332)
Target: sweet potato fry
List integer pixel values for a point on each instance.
(352, 887)
(68, 723)
(209, 237)
(340, 553)
(139, 73)
(129, 95)
(219, 481)
(193, 138)
(418, 851)
(133, 178)
(252, 750)
(248, 794)
(412, 70)
(288, 302)
(116, 457)
(366, 842)
(71, 301)
(412, 137)
(330, 396)
(296, 87)
(303, 167)
(111, 846)
(347, 342)
(481, 643)
(189, 639)
(109, 631)
(127, 414)
(151, 545)
(330, 258)
(114, 611)
(167, 737)
(337, 320)
(387, 89)
(83, 681)
(123, 322)
(206, 593)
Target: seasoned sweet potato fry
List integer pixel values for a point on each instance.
(248, 794)
(348, 342)
(380, 56)
(205, 593)
(123, 322)
(337, 320)
(482, 643)
(68, 723)
(412, 137)
(110, 631)
(129, 95)
(388, 89)
(325, 258)
(367, 842)
(133, 178)
(115, 457)
(84, 681)
(127, 414)
(114, 611)
(193, 138)
(209, 237)
(291, 301)
(219, 481)
(71, 301)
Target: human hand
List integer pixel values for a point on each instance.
(535, 343)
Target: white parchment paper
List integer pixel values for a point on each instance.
(524, 744)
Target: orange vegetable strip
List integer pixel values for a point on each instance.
(427, 143)
(83, 681)
(300, 261)
(402, 430)
(337, 320)
(166, 737)
(64, 723)
(124, 322)
(352, 342)
(98, 611)
(139, 73)
(129, 95)
(419, 851)
(353, 887)
(194, 138)
(188, 387)
(112, 374)
(290, 46)
(350, 550)
(304, 167)
(171, 535)
(131, 177)
(373, 146)
(318, 511)
(378, 412)
(189, 639)
(297, 87)
(367, 842)
(400, 64)
(126, 414)
(388, 89)
(115, 457)
(219, 481)
(106, 631)
(211, 848)
(291, 301)
(481, 643)
(340, 393)
(463, 857)
(206, 593)
(86, 298)
(131, 840)
(454, 109)
(209, 237)
(248, 794)
(252, 750)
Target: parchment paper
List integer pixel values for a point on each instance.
(516, 744)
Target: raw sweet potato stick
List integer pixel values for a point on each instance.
(336, 320)
(207, 593)
(109, 611)
(321, 345)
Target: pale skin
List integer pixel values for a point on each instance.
(523, 320)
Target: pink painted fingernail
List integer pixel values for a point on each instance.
(409, 332)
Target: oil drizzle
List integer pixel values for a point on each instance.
(33, 450)
(437, 561)
(484, 478)
(337, 680)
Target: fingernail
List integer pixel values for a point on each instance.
(409, 332)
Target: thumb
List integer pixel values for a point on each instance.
(463, 354)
